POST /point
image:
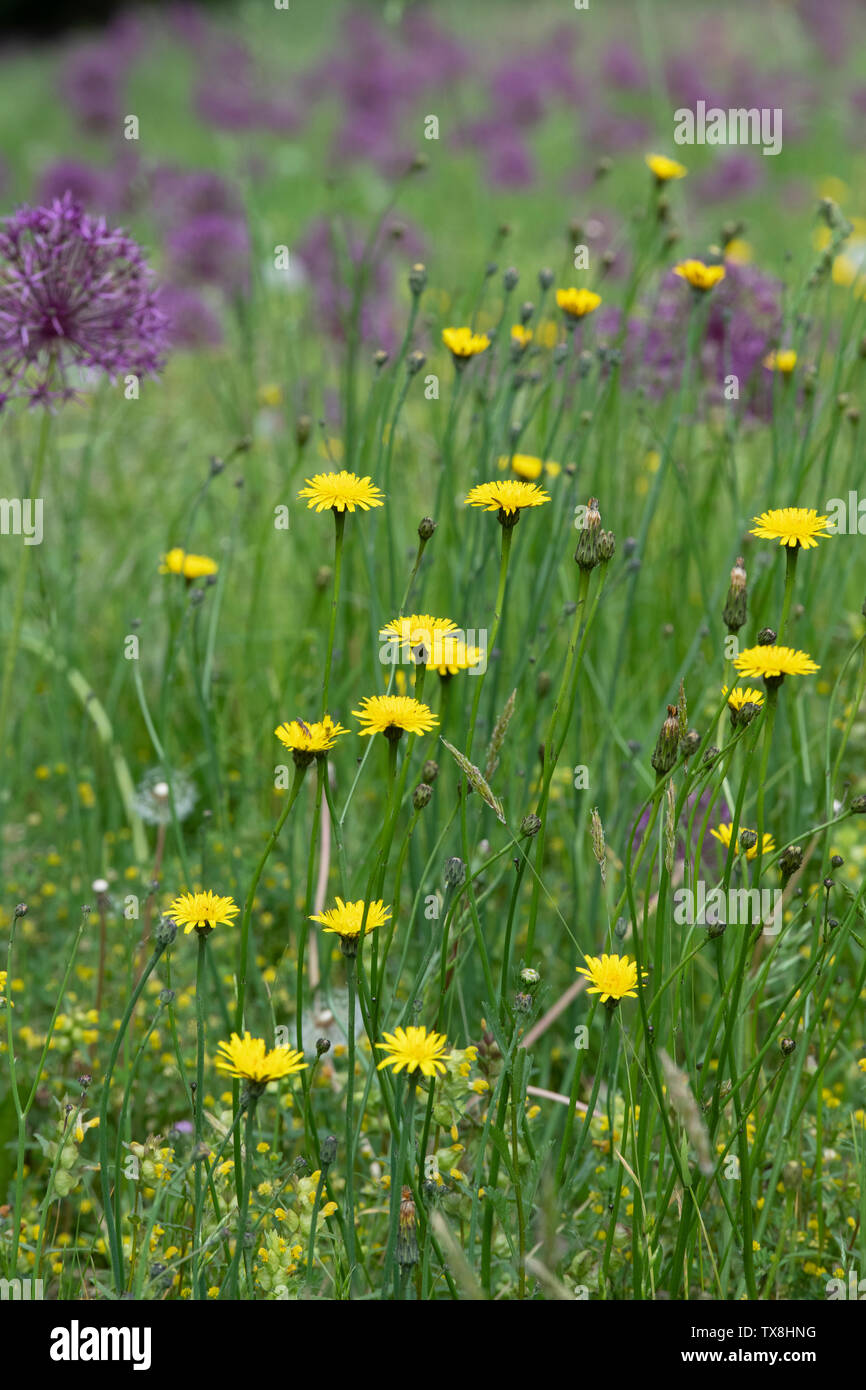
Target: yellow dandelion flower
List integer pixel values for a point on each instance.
(508, 497)
(417, 630)
(773, 662)
(462, 343)
(451, 654)
(725, 830)
(342, 491)
(576, 304)
(345, 919)
(784, 361)
(202, 911)
(612, 977)
(414, 1049)
(664, 168)
(394, 715)
(743, 696)
(521, 336)
(249, 1059)
(310, 739)
(525, 466)
(791, 526)
(177, 561)
(700, 277)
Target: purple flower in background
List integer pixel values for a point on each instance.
(317, 252)
(190, 320)
(737, 173)
(211, 249)
(94, 189)
(181, 194)
(622, 67)
(73, 292)
(509, 161)
(435, 56)
(91, 81)
(744, 320)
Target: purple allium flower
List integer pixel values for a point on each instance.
(73, 292)
(318, 254)
(94, 189)
(745, 315)
(510, 163)
(740, 172)
(178, 195)
(211, 249)
(190, 320)
(622, 67)
(92, 79)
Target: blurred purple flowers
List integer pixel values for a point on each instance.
(73, 293)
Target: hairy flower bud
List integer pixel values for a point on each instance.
(667, 744)
(586, 555)
(734, 613)
(421, 796)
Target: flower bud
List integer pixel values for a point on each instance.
(510, 279)
(586, 555)
(734, 613)
(530, 825)
(529, 979)
(426, 527)
(417, 279)
(430, 771)
(545, 278)
(328, 1151)
(165, 932)
(858, 805)
(786, 1046)
(667, 744)
(455, 872)
(421, 796)
(414, 362)
(790, 861)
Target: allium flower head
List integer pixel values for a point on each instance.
(509, 496)
(394, 715)
(415, 1050)
(725, 830)
(247, 1058)
(576, 304)
(773, 662)
(341, 491)
(202, 912)
(664, 168)
(699, 276)
(73, 293)
(792, 526)
(612, 977)
(463, 343)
